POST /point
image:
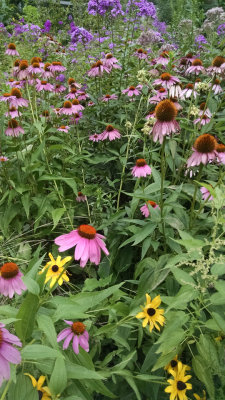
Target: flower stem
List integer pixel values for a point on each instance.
(194, 196)
(5, 390)
(162, 186)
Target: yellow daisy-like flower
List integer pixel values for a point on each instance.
(55, 269)
(174, 365)
(151, 314)
(200, 398)
(43, 391)
(179, 385)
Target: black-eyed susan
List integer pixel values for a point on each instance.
(151, 314)
(173, 364)
(43, 391)
(179, 385)
(197, 397)
(56, 270)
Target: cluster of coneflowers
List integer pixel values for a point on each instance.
(166, 95)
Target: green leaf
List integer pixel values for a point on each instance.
(46, 325)
(57, 213)
(220, 321)
(218, 269)
(25, 199)
(180, 301)
(69, 181)
(203, 373)
(58, 380)
(27, 314)
(183, 277)
(32, 286)
(39, 352)
(33, 269)
(22, 389)
(79, 372)
(133, 385)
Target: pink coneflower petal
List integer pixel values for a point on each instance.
(76, 344)
(67, 341)
(63, 334)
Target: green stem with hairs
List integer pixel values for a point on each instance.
(6, 390)
(194, 196)
(162, 187)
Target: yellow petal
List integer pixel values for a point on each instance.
(60, 281)
(34, 382)
(145, 322)
(40, 382)
(65, 260)
(51, 257)
(168, 389)
(156, 302)
(148, 299)
(140, 315)
(52, 282)
(66, 278)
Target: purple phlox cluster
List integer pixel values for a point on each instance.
(102, 6)
(160, 26)
(47, 26)
(60, 22)
(61, 78)
(221, 29)
(145, 8)
(200, 39)
(33, 30)
(78, 34)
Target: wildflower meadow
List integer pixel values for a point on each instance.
(112, 200)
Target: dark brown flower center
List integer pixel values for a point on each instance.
(165, 111)
(12, 46)
(140, 51)
(189, 86)
(109, 128)
(23, 65)
(87, 231)
(165, 76)
(45, 113)
(107, 96)
(220, 148)
(152, 203)
(197, 62)
(217, 82)
(202, 106)
(98, 63)
(71, 80)
(205, 143)
(151, 311)
(9, 270)
(56, 63)
(78, 328)
(6, 95)
(75, 102)
(44, 82)
(189, 55)
(67, 104)
(12, 109)
(181, 385)
(16, 92)
(16, 63)
(73, 90)
(46, 67)
(162, 90)
(132, 88)
(80, 194)
(13, 124)
(173, 363)
(109, 56)
(40, 395)
(55, 268)
(36, 65)
(218, 61)
(34, 59)
(62, 127)
(141, 162)
(164, 54)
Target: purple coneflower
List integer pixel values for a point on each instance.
(145, 209)
(110, 133)
(166, 124)
(72, 94)
(216, 86)
(13, 128)
(77, 107)
(11, 50)
(204, 150)
(141, 54)
(8, 353)
(166, 80)
(202, 120)
(82, 96)
(56, 66)
(88, 244)
(3, 159)
(67, 108)
(97, 69)
(110, 62)
(108, 97)
(16, 99)
(81, 197)
(63, 128)
(196, 67)
(190, 58)
(218, 66)
(189, 91)
(76, 117)
(131, 91)
(44, 85)
(163, 58)
(73, 83)
(6, 98)
(59, 88)
(10, 280)
(13, 113)
(23, 70)
(141, 169)
(161, 94)
(220, 150)
(95, 137)
(77, 333)
(35, 68)
(204, 110)
(46, 73)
